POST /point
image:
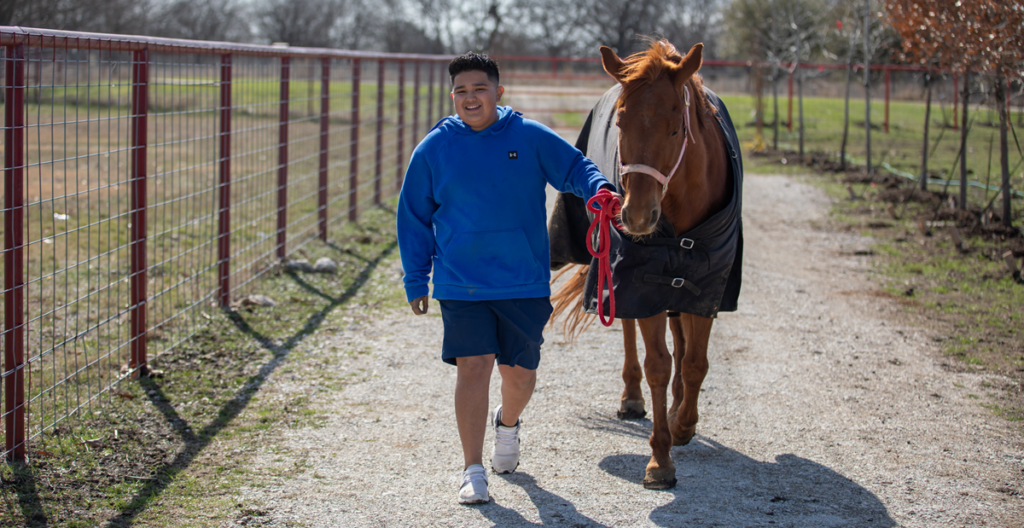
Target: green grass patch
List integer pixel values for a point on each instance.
(173, 450)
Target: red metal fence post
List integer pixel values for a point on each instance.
(353, 177)
(401, 125)
(282, 161)
(789, 119)
(224, 214)
(886, 99)
(430, 95)
(956, 99)
(137, 232)
(442, 93)
(380, 132)
(325, 99)
(416, 104)
(14, 263)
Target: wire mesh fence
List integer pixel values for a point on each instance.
(149, 182)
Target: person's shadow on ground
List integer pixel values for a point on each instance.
(719, 486)
(553, 510)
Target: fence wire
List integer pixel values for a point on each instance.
(148, 182)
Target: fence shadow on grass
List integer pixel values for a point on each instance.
(195, 442)
(24, 483)
(719, 486)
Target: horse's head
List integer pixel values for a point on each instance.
(652, 111)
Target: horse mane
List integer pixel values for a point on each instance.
(645, 67)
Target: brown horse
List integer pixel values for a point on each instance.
(651, 115)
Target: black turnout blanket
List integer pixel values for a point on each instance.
(697, 272)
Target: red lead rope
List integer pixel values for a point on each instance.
(608, 208)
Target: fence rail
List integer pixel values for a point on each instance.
(148, 181)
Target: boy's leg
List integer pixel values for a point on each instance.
(471, 404)
(517, 384)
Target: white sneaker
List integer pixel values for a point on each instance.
(474, 485)
(505, 458)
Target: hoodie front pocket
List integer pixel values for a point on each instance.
(492, 259)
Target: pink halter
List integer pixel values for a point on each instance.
(646, 169)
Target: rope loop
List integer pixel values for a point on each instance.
(606, 209)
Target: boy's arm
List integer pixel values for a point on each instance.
(565, 167)
(416, 208)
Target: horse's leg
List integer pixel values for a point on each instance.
(694, 366)
(632, 405)
(661, 472)
(678, 351)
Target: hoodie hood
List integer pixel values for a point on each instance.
(505, 116)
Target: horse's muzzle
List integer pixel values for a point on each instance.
(638, 222)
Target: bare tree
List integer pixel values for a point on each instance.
(311, 23)
(487, 24)
(687, 22)
(554, 26)
(436, 17)
(619, 23)
(398, 33)
(224, 20)
(104, 16)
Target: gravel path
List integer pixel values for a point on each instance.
(820, 409)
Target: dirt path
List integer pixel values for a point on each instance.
(820, 409)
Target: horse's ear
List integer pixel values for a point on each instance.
(688, 66)
(612, 63)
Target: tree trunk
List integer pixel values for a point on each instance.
(963, 141)
(1004, 161)
(867, 85)
(927, 122)
(846, 113)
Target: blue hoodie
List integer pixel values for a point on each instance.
(472, 207)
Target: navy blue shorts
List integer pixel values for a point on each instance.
(508, 328)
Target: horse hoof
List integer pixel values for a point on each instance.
(683, 436)
(631, 410)
(660, 478)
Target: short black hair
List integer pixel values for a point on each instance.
(470, 61)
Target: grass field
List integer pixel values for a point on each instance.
(901, 147)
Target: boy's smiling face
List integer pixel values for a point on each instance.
(476, 99)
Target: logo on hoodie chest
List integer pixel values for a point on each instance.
(513, 154)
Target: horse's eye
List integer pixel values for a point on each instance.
(674, 132)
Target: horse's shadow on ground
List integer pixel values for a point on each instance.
(719, 486)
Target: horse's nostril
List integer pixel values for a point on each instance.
(655, 214)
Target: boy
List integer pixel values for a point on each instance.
(472, 207)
